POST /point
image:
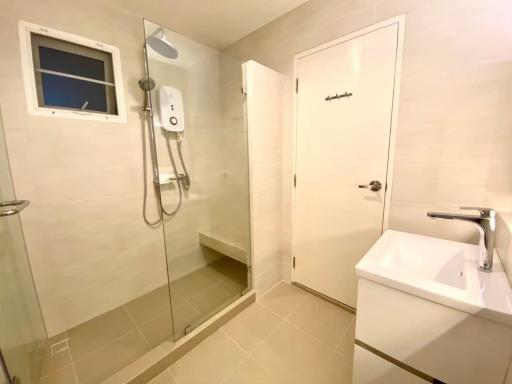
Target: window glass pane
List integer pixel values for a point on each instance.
(66, 92)
(67, 58)
(61, 61)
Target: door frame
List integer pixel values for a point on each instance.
(400, 21)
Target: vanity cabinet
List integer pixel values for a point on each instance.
(446, 344)
(370, 368)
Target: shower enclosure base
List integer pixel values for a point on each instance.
(158, 359)
(142, 324)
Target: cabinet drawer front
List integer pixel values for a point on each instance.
(450, 345)
(372, 369)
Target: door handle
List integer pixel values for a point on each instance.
(374, 186)
(13, 207)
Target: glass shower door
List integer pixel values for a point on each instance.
(22, 330)
(201, 142)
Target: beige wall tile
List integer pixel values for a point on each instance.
(84, 228)
(411, 217)
(446, 99)
(264, 122)
(504, 241)
(83, 178)
(454, 115)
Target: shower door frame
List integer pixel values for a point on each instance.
(400, 22)
(12, 212)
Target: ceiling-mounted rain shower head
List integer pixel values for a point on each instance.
(147, 84)
(158, 42)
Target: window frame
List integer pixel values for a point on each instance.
(31, 84)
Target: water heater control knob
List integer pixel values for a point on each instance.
(173, 120)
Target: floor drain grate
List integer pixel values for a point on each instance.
(60, 346)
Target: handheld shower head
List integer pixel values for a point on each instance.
(147, 84)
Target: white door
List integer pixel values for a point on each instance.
(341, 143)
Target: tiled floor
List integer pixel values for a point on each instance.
(107, 343)
(288, 336)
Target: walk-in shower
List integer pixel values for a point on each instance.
(87, 275)
(172, 122)
(170, 107)
(194, 113)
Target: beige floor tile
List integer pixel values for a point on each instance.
(346, 347)
(336, 369)
(62, 376)
(295, 357)
(176, 297)
(209, 362)
(194, 282)
(99, 332)
(164, 378)
(250, 372)
(184, 315)
(50, 362)
(214, 298)
(251, 326)
(159, 329)
(103, 363)
(149, 306)
(283, 298)
(323, 320)
(230, 271)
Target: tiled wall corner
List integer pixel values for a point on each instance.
(264, 121)
(504, 241)
(454, 136)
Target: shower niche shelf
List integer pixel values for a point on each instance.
(223, 244)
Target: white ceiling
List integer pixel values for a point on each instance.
(216, 23)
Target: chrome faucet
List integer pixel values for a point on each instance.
(485, 222)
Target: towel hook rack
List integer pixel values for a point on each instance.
(336, 96)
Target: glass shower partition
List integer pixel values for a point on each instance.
(202, 151)
(22, 331)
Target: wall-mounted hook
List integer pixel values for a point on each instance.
(346, 94)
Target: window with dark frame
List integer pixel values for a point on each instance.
(73, 77)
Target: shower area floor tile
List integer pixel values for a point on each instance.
(107, 343)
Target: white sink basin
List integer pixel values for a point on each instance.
(439, 270)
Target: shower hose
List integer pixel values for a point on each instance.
(182, 181)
